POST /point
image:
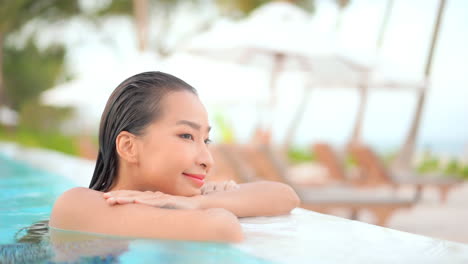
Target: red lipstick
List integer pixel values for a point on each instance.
(198, 179)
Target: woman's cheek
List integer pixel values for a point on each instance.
(186, 160)
(182, 152)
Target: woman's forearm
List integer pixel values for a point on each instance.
(254, 199)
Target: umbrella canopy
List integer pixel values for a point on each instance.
(280, 32)
(218, 83)
(276, 27)
(89, 93)
(87, 96)
(280, 36)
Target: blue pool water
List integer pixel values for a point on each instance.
(27, 195)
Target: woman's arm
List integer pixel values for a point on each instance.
(263, 198)
(85, 210)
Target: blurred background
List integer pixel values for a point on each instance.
(328, 91)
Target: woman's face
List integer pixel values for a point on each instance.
(173, 155)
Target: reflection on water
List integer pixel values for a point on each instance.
(76, 247)
(71, 245)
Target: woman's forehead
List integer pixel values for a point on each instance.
(184, 106)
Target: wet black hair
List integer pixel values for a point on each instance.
(134, 104)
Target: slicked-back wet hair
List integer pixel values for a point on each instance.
(133, 105)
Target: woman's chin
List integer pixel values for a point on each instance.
(188, 191)
(195, 191)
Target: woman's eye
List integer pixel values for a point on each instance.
(207, 141)
(186, 136)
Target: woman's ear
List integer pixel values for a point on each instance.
(126, 146)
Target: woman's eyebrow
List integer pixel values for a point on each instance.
(191, 124)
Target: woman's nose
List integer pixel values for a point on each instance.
(205, 159)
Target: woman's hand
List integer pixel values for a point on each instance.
(261, 198)
(211, 187)
(156, 199)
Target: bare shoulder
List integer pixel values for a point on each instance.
(79, 192)
(73, 194)
(68, 205)
(75, 197)
(83, 209)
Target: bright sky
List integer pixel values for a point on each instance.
(101, 61)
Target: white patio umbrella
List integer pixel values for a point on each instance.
(218, 83)
(87, 96)
(280, 36)
(89, 93)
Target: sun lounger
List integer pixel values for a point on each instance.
(327, 157)
(377, 173)
(268, 166)
(381, 204)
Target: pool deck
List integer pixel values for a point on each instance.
(306, 235)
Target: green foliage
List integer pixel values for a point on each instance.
(17, 71)
(239, 8)
(225, 128)
(342, 3)
(432, 164)
(15, 14)
(350, 161)
(464, 172)
(389, 157)
(125, 7)
(39, 127)
(29, 72)
(117, 7)
(452, 167)
(428, 164)
(36, 117)
(39, 139)
(299, 155)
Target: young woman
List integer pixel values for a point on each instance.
(149, 180)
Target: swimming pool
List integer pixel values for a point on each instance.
(301, 237)
(27, 195)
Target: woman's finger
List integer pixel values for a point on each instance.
(212, 187)
(231, 185)
(111, 201)
(122, 193)
(124, 200)
(155, 202)
(207, 188)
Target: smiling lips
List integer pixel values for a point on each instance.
(198, 179)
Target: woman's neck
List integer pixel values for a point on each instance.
(125, 179)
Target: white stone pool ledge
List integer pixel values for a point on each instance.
(79, 171)
(301, 237)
